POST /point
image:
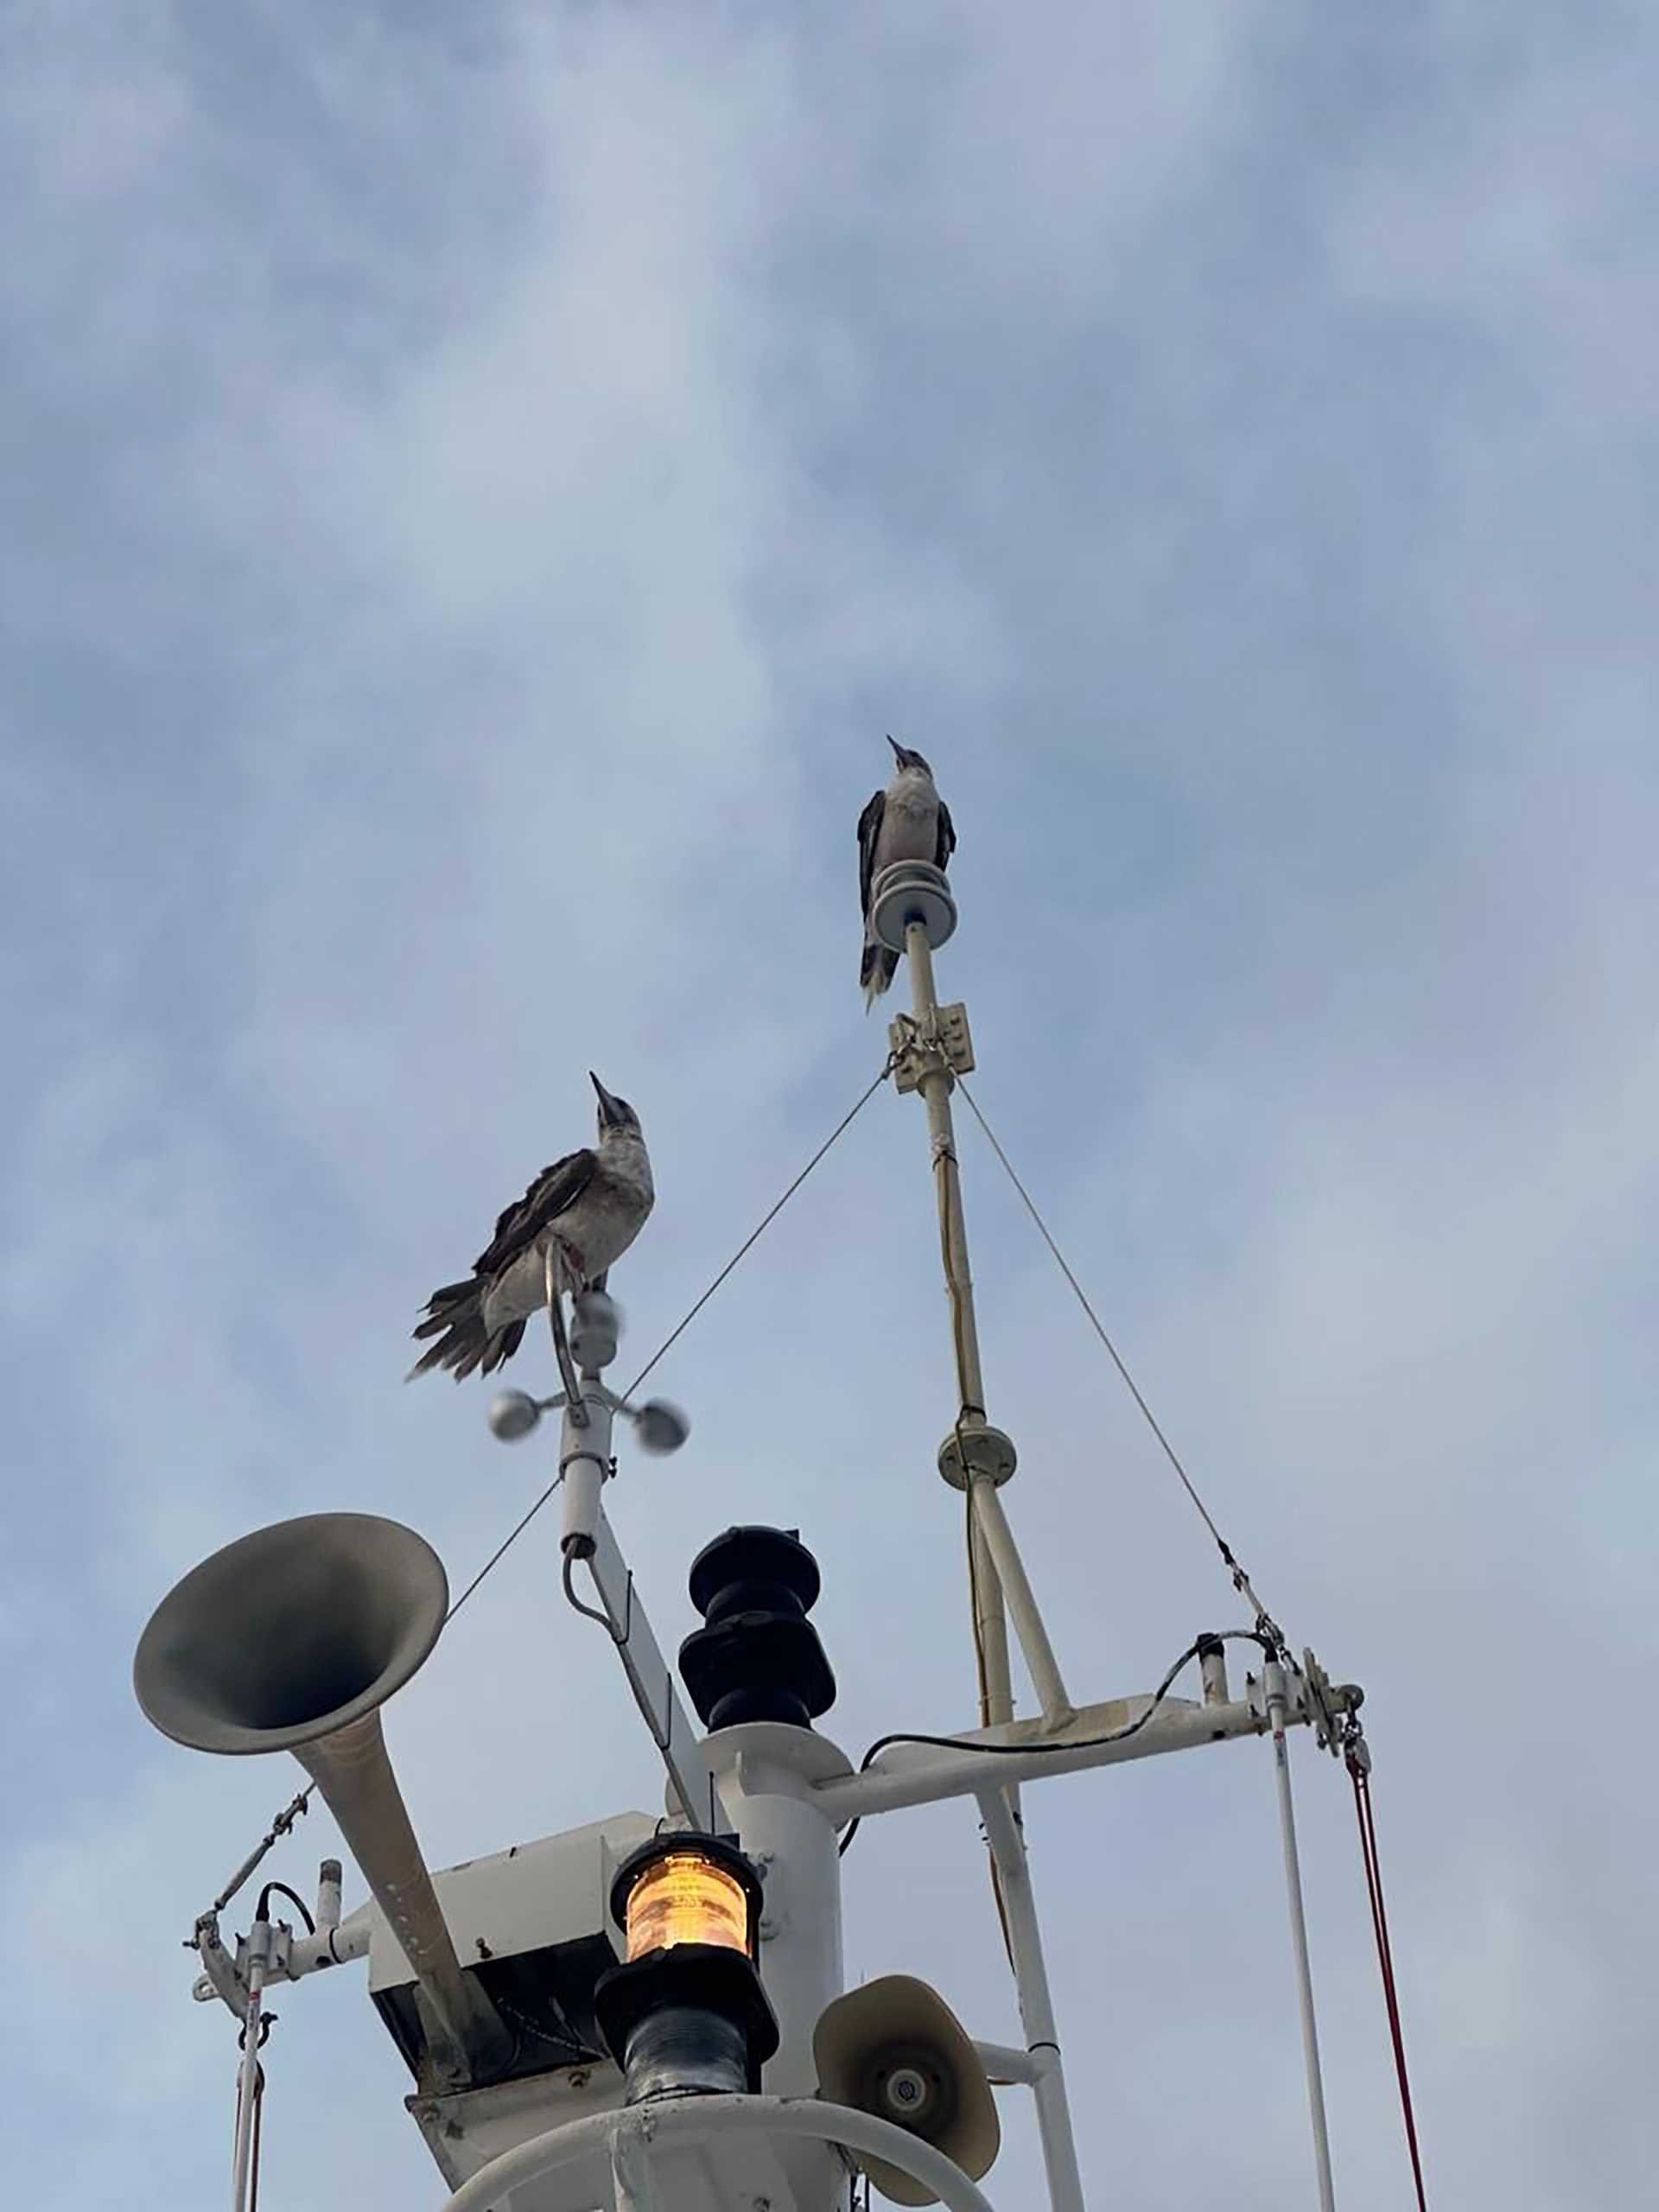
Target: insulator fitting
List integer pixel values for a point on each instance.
(758, 1657)
(911, 891)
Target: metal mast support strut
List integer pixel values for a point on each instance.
(1005, 1835)
(247, 2094)
(912, 910)
(1276, 1706)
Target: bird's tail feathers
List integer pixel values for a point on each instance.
(876, 971)
(455, 1315)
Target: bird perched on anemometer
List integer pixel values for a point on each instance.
(585, 1211)
(908, 821)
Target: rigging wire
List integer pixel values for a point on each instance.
(1359, 1763)
(1240, 1579)
(1268, 1633)
(279, 1827)
(766, 1220)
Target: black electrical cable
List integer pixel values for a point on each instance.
(262, 1911)
(1070, 1743)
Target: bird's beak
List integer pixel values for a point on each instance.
(898, 749)
(608, 1109)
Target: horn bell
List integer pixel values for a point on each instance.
(893, 2047)
(290, 1640)
(290, 1633)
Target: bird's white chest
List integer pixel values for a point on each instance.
(612, 1210)
(910, 822)
(626, 1177)
(597, 1230)
(604, 1220)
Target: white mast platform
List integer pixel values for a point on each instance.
(518, 2095)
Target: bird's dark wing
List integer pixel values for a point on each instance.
(869, 829)
(947, 839)
(554, 1189)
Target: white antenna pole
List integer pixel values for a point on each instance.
(584, 1351)
(990, 1624)
(911, 904)
(1006, 1836)
(1275, 1693)
(248, 2083)
(931, 1048)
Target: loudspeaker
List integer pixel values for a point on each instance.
(894, 2048)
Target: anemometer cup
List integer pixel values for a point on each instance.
(512, 1414)
(659, 1427)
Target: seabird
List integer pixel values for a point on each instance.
(908, 821)
(585, 1211)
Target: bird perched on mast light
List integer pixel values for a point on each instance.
(582, 1213)
(908, 821)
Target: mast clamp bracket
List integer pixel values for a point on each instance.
(919, 1051)
(975, 1451)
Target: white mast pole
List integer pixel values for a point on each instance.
(1276, 1704)
(990, 1620)
(248, 2081)
(1006, 1836)
(929, 1048)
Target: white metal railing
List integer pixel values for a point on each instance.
(629, 2140)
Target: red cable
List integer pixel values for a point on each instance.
(1385, 1959)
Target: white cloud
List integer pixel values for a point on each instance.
(482, 498)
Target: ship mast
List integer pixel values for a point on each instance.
(912, 909)
(603, 2050)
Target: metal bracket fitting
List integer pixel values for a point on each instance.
(1324, 1715)
(917, 1052)
(988, 1452)
(1331, 1705)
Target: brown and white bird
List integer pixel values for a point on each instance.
(585, 1211)
(908, 821)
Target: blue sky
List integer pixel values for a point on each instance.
(478, 490)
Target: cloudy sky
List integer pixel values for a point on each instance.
(478, 484)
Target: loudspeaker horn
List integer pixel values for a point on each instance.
(291, 1639)
(894, 2048)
